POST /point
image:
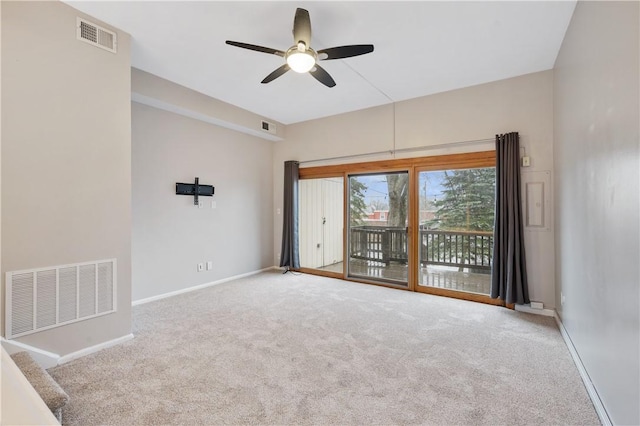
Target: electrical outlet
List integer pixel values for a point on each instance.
(200, 204)
(561, 298)
(200, 267)
(209, 265)
(526, 161)
(214, 204)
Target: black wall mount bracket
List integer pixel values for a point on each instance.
(195, 190)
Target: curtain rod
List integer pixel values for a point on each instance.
(394, 151)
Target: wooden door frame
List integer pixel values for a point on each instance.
(413, 166)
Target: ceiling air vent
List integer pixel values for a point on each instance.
(268, 127)
(96, 35)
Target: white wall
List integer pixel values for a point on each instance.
(66, 158)
(522, 104)
(21, 404)
(170, 234)
(597, 198)
(1, 285)
(155, 91)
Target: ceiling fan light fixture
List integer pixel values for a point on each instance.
(301, 61)
(300, 57)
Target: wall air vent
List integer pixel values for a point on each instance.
(94, 34)
(43, 298)
(268, 127)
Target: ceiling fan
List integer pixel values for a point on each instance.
(301, 57)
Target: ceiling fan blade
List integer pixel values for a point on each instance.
(322, 76)
(345, 51)
(302, 27)
(275, 74)
(256, 48)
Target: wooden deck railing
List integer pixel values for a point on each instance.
(463, 249)
(469, 249)
(377, 243)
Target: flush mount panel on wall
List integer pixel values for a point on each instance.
(195, 190)
(536, 200)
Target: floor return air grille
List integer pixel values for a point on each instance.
(43, 298)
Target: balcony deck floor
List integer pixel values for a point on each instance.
(433, 276)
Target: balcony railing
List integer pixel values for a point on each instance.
(462, 249)
(377, 243)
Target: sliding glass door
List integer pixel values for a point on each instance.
(455, 236)
(422, 224)
(378, 219)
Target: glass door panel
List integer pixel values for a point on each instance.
(455, 236)
(321, 222)
(378, 220)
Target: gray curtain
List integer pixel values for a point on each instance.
(289, 255)
(509, 274)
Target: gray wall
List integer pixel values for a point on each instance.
(597, 198)
(66, 158)
(522, 104)
(170, 234)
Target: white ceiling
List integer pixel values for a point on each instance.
(421, 48)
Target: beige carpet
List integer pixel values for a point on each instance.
(300, 349)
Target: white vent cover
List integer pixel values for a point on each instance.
(268, 127)
(94, 34)
(39, 299)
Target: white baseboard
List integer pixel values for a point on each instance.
(48, 359)
(199, 287)
(44, 358)
(528, 309)
(591, 390)
(92, 349)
